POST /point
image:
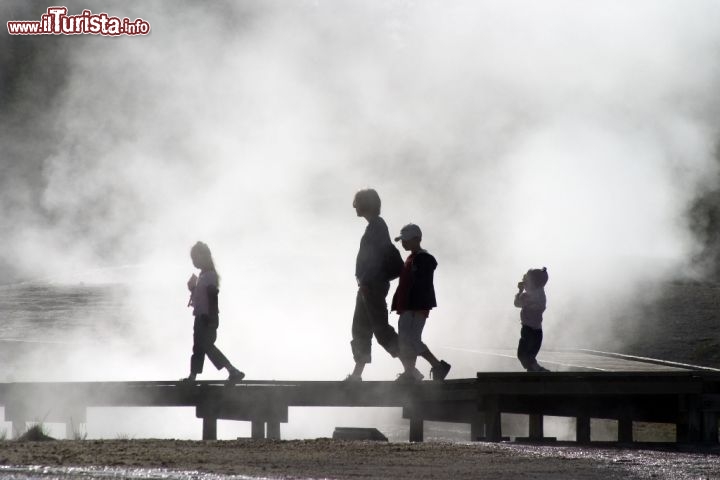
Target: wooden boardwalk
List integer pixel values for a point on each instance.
(583, 360)
(687, 396)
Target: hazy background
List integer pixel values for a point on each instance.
(576, 136)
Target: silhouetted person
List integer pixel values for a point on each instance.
(531, 301)
(413, 300)
(371, 313)
(204, 300)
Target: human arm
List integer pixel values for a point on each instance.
(212, 293)
(422, 282)
(373, 249)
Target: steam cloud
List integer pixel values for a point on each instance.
(516, 135)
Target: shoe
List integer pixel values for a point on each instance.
(188, 380)
(353, 378)
(537, 368)
(405, 377)
(235, 375)
(410, 377)
(439, 372)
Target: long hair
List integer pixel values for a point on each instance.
(200, 253)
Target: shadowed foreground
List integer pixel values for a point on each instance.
(326, 458)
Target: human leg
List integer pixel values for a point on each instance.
(218, 359)
(361, 343)
(413, 328)
(409, 345)
(221, 361)
(431, 359)
(405, 350)
(528, 347)
(197, 360)
(523, 349)
(377, 313)
(537, 338)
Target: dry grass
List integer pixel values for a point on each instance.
(36, 433)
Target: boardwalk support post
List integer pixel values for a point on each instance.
(209, 428)
(710, 428)
(416, 429)
(477, 428)
(273, 430)
(493, 426)
(535, 428)
(690, 426)
(625, 429)
(582, 429)
(257, 429)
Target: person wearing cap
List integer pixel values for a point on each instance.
(371, 312)
(413, 300)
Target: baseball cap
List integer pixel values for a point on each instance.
(409, 232)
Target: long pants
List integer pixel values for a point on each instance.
(410, 328)
(204, 336)
(371, 318)
(529, 346)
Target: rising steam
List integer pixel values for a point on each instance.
(515, 134)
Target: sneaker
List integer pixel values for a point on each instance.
(410, 377)
(352, 378)
(439, 372)
(235, 375)
(540, 368)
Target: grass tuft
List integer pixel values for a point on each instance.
(78, 432)
(36, 433)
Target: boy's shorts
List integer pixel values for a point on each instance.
(410, 327)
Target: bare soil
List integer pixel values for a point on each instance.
(325, 458)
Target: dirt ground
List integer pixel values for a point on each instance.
(325, 458)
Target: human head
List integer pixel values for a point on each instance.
(411, 236)
(367, 202)
(536, 277)
(201, 256)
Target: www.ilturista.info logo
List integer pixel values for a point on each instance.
(57, 22)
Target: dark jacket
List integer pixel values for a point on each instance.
(421, 294)
(373, 247)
